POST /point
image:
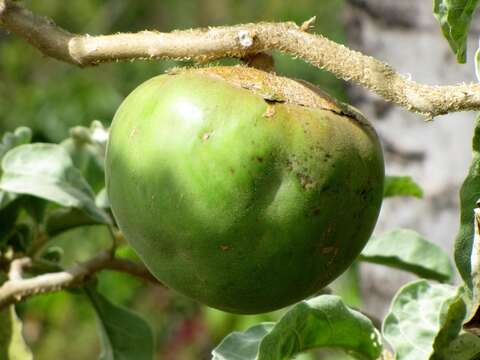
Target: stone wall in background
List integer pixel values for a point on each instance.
(436, 154)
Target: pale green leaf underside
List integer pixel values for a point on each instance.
(323, 321)
(46, 171)
(454, 17)
(406, 250)
(423, 319)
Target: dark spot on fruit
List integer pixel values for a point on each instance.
(316, 211)
(259, 159)
(306, 181)
(232, 171)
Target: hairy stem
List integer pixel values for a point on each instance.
(17, 288)
(240, 41)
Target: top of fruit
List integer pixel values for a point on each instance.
(275, 88)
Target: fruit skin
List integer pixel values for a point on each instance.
(240, 202)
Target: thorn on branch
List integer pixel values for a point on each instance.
(18, 288)
(309, 24)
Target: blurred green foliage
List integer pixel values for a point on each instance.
(52, 97)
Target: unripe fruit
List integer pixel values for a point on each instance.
(241, 189)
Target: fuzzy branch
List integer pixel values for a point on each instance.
(240, 41)
(17, 288)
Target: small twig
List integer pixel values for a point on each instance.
(132, 268)
(203, 45)
(17, 289)
(16, 268)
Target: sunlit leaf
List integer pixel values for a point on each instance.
(423, 320)
(401, 186)
(407, 250)
(323, 321)
(46, 171)
(124, 335)
(101, 200)
(20, 136)
(454, 17)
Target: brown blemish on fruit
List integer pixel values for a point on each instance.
(333, 257)
(306, 181)
(273, 88)
(206, 136)
(224, 247)
(133, 133)
(259, 159)
(316, 211)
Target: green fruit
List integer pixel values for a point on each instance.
(243, 190)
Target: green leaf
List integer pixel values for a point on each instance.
(323, 321)
(243, 345)
(12, 345)
(406, 250)
(46, 171)
(124, 334)
(101, 200)
(20, 136)
(88, 152)
(8, 216)
(60, 220)
(423, 320)
(454, 17)
(6, 198)
(464, 347)
(469, 194)
(401, 186)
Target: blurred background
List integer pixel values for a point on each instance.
(51, 97)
